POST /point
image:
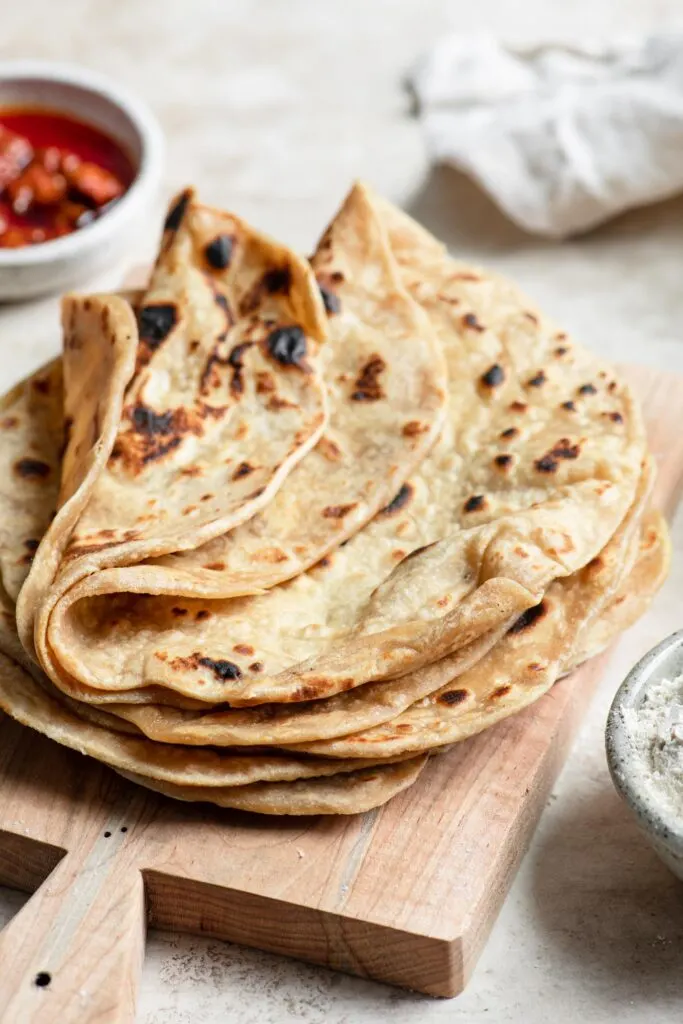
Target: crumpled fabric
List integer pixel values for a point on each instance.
(562, 137)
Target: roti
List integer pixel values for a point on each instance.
(190, 444)
(537, 465)
(543, 644)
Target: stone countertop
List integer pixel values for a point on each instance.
(272, 107)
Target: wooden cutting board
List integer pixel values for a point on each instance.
(405, 894)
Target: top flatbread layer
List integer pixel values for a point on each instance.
(535, 469)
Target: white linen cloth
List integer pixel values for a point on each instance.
(562, 137)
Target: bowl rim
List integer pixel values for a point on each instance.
(147, 173)
(627, 778)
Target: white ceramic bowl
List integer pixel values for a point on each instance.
(64, 262)
(661, 828)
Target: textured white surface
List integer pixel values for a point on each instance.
(562, 137)
(273, 107)
(654, 731)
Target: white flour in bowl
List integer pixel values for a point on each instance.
(656, 730)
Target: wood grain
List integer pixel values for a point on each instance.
(406, 894)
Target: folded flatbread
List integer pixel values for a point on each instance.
(536, 467)
(220, 398)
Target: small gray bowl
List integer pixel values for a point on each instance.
(662, 829)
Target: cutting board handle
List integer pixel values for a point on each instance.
(73, 954)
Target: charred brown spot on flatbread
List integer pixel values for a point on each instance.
(256, 667)
(546, 464)
(501, 691)
(569, 406)
(368, 387)
(287, 345)
(503, 461)
(155, 323)
(413, 428)
(274, 281)
(218, 251)
(271, 555)
(215, 566)
(244, 469)
(41, 385)
(318, 685)
(399, 501)
(509, 432)
(32, 469)
(306, 692)
(338, 511)
(265, 383)
(276, 403)
(494, 376)
(470, 320)
(218, 357)
(222, 302)
(153, 435)
(529, 618)
(329, 449)
(588, 389)
(202, 614)
(563, 449)
(517, 406)
(538, 380)
(31, 545)
(475, 504)
(245, 649)
(331, 302)
(278, 280)
(223, 670)
(235, 359)
(147, 421)
(174, 217)
(452, 697)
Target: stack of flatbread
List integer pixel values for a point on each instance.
(274, 531)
